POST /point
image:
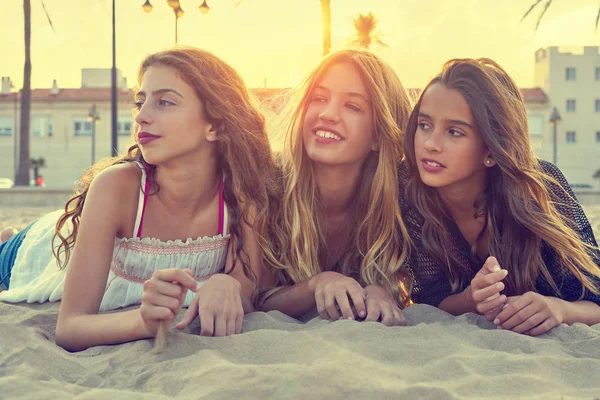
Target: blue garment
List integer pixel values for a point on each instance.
(8, 254)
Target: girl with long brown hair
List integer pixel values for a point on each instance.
(182, 210)
(336, 239)
(495, 230)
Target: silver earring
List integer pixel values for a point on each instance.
(488, 162)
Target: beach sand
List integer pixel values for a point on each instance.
(437, 356)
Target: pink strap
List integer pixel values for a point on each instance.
(139, 232)
(221, 207)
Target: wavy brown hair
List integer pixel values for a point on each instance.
(520, 201)
(378, 246)
(243, 148)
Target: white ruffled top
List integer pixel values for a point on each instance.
(36, 277)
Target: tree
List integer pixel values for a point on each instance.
(22, 178)
(545, 8)
(36, 164)
(326, 22)
(365, 26)
(22, 175)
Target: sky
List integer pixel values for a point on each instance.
(280, 40)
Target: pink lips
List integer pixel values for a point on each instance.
(146, 137)
(432, 168)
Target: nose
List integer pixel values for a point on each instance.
(433, 142)
(144, 115)
(330, 112)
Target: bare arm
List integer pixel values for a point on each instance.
(583, 311)
(293, 300)
(79, 326)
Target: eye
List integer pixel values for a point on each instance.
(165, 103)
(319, 98)
(353, 107)
(423, 125)
(455, 133)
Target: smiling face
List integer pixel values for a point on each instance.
(449, 150)
(338, 121)
(170, 121)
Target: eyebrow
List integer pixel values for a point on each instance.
(452, 121)
(352, 94)
(161, 91)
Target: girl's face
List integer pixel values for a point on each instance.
(338, 122)
(170, 123)
(449, 151)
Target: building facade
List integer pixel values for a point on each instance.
(571, 80)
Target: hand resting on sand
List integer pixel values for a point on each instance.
(335, 293)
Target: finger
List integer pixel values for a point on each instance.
(166, 288)
(341, 297)
(480, 282)
(399, 319)
(151, 312)
(239, 324)
(518, 317)
(488, 292)
(489, 305)
(373, 311)
(320, 300)
(330, 305)
(230, 326)
(207, 323)
(530, 323)
(220, 325)
(513, 304)
(357, 295)
(190, 314)
(387, 316)
(542, 328)
(159, 300)
(177, 275)
(490, 265)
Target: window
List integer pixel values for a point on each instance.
(598, 73)
(597, 136)
(124, 127)
(41, 126)
(571, 105)
(597, 105)
(82, 127)
(571, 137)
(536, 125)
(6, 126)
(570, 74)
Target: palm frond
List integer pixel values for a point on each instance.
(48, 16)
(531, 9)
(542, 14)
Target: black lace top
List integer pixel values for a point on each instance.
(430, 277)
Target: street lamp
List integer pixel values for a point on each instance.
(93, 117)
(554, 119)
(177, 10)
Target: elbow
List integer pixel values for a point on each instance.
(66, 339)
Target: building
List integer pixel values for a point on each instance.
(571, 80)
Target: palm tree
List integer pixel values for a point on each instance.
(36, 164)
(326, 22)
(22, 175)
(545, 8)
(22, 178)
(365, 26)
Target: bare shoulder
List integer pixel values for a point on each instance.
(114, 194)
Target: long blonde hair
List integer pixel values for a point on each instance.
(379, 244)
(521, 197)
(242, 144)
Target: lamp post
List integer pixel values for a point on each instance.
(177, 10)
(93, 117)
(554, 120)
(113, 89)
